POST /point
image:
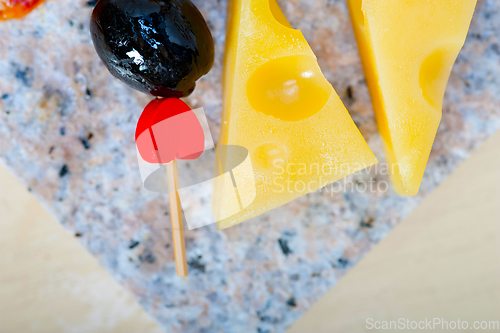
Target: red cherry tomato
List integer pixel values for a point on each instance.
(169, 130)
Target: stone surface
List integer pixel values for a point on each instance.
(66, 131)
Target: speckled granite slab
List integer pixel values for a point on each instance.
(66, 131)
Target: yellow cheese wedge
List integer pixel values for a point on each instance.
(408, 48)
(279, 106)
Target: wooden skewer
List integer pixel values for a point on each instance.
(176, 217)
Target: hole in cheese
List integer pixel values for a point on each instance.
(270, 155)
(278, 14)
(355, 7)
(289, 88)
(434, 73)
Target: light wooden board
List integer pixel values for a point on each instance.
(48, 282)
(443, 261)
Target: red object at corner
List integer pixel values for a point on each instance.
(14, 9)
(168, 130)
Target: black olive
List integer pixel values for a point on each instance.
(157, 47)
